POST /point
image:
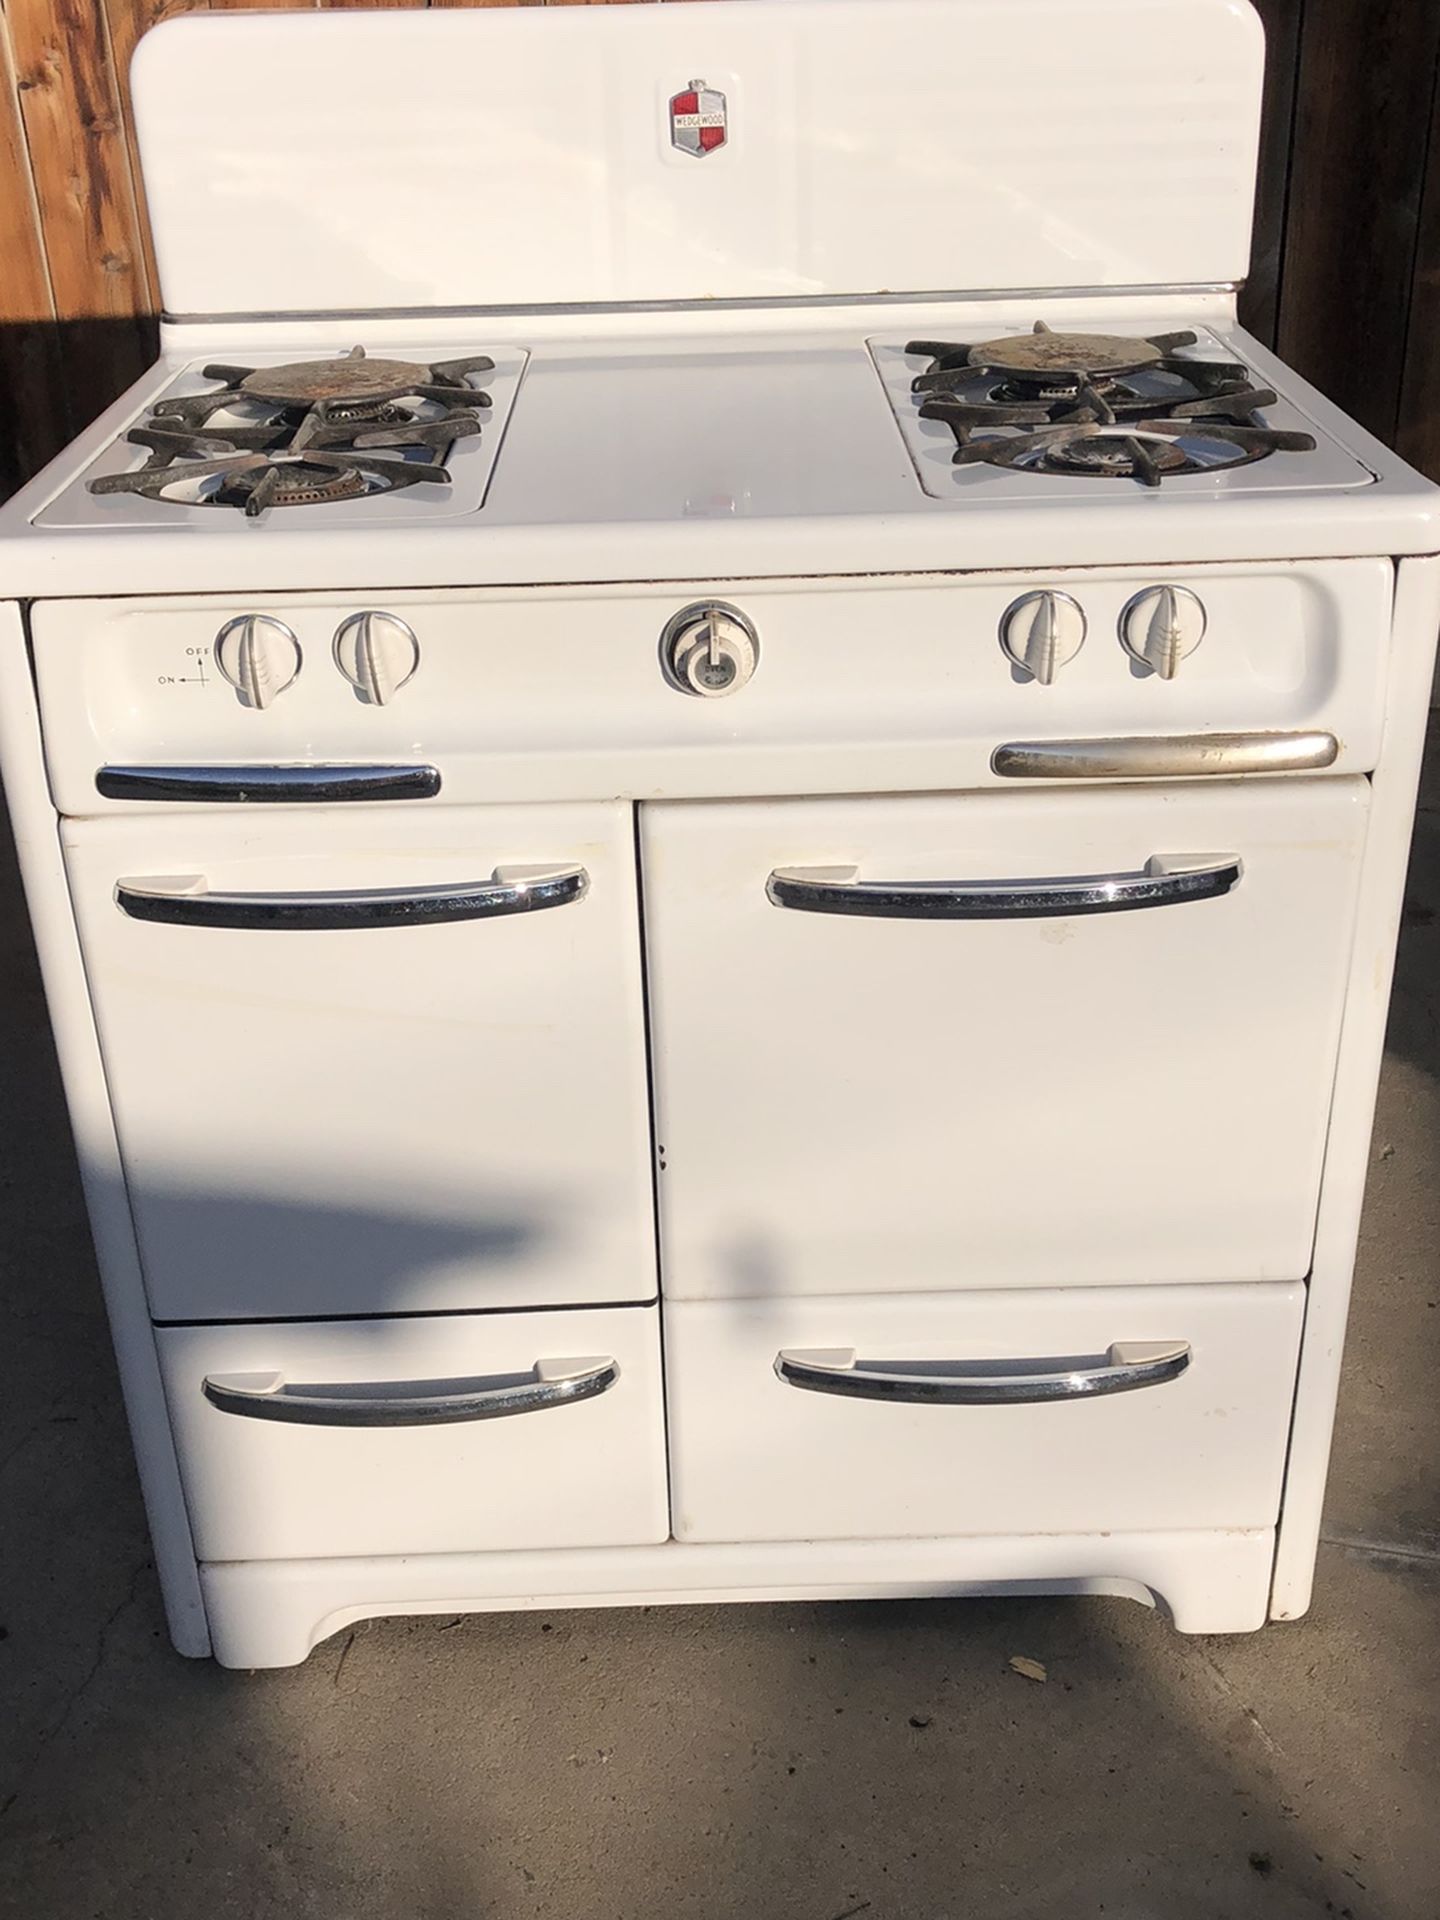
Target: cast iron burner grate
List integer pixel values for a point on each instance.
(1111, 407)
(310, 433)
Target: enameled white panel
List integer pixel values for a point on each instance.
(383, 1119)
(753, 1458)
(874, 685)
(869, 149)
(850, 1105)
(583, 1475)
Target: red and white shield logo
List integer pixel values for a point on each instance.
(697, 119)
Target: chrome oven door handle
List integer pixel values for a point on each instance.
(1163, 881)
(408, 1403)
(1173, 756)
(279, 785)
(184, 900)
(1128, 1365)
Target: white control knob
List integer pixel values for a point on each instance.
(1041, 631)
(258, 656)
(1160, 626)
(377, 653)
(709, 649)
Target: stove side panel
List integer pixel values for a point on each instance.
(494, 158)
(37, 841)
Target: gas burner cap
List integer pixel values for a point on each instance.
(357, 379)
(1044, 355)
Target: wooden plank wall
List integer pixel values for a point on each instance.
(1346, 277)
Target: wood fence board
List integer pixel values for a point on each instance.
(36, 419)
(70, 109)
(1365, 83)
(1418, 429)
(1260, 297)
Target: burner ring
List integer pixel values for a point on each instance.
(295, 483)
(1109, 456)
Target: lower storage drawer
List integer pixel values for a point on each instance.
(1080, 1411)
(457, 1433)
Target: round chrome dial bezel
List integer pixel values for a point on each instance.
(689, 616)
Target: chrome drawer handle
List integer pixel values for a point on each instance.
(1162, 882)
(408, 1403)
(277, 785)
(1128, 1365)
(184, 900)
(1174, 756)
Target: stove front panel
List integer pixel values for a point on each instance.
(353, 1073)
(1196, 1440)
(884, 1065)
(872, 685)
(303, 1440)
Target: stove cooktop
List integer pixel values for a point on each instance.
(788, 438)
(1042, 413)
(1109, 406)
(353, 439)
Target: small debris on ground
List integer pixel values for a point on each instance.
(920, 1721)
(1030, 1669)
(1262, 1864)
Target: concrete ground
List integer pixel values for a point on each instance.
(794, 1763)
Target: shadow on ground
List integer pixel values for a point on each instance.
(808, 1761)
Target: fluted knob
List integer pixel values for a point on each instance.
(1041, 631)
(259, 656)
(1160, 626)
(377, 653)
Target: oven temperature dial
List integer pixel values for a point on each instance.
(259, 656)
(709, 649)
(377, 653)
(1041, 631)
(1160, 626)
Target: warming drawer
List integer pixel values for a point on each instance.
(374, 1061)
(459, 1433)
(1083, 1411)
(897, 1048)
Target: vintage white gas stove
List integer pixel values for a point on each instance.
(715, 785)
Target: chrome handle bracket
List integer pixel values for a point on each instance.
(1127, 1366)
(184, 900)
(410, 1403)
(304, 784)
(1163, 881)
(1172, 756)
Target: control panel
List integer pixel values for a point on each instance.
(910, 683)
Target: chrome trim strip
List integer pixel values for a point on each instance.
(1128, 1366)
(1161, 882)
(184, 900)
(730, 304)
(410, 1403)
(1166, 756)
(277, 785)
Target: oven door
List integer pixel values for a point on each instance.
(1063, 1038)
(367, 1062)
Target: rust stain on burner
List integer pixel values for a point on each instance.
(1049, 353)
(313, 383)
